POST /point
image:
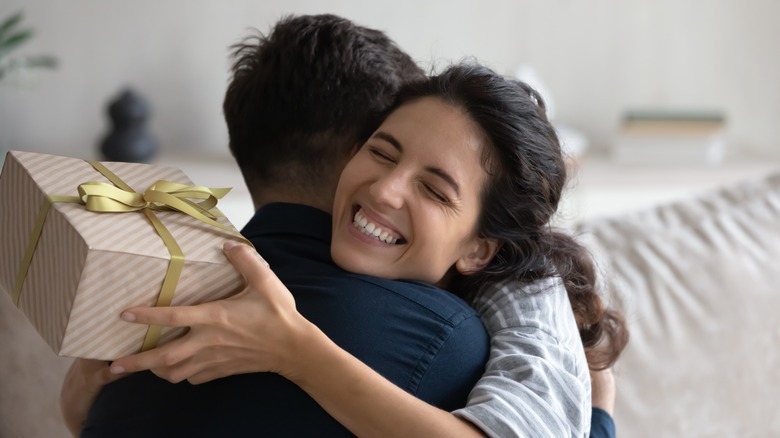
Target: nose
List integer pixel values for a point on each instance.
(389, 189)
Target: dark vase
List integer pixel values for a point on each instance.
(128, 140)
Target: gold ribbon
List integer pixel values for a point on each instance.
(32, 242)
(121, 198)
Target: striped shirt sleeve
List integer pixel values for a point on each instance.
(536, 382)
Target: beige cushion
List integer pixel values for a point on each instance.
(700, 282)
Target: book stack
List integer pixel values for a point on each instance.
(671, 137)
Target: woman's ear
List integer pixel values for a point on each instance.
(478, 256)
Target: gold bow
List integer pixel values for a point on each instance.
(162, 195)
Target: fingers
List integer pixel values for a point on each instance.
(246, 261)
(167, 356)
(213, 324)
(172, 362)
(102, 375)
(106, 376)
(178, 316)
(261, 282)
(207, 376)
(179, 372)
(95, 373)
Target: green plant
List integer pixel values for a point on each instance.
(11, 37)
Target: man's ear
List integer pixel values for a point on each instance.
(478, 256)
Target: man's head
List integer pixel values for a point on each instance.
(303, 97)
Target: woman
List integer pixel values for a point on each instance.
(457, 188)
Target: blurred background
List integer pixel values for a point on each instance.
(655, 100)
(599, 62)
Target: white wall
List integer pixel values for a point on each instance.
(597, 57)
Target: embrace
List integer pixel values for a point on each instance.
(408, 283)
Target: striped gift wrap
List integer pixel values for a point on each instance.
(87, 267)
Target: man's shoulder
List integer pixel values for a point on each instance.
(294, 239)
(442, 303)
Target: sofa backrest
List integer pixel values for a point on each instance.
(699, 281)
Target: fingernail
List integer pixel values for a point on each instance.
(117, 370)
(263, 260)
(127, 316)
(228, 245)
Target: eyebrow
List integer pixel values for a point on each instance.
(441, 173)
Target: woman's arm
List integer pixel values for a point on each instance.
(536, 381)
(362, 400)
(260, 330)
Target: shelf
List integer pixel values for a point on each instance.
(601, 187)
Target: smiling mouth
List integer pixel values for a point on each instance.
(361, 222)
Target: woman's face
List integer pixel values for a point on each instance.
(407, 204)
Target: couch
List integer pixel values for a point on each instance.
(699, 280)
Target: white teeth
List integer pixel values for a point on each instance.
(370, 229)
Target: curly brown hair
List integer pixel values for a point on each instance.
(527, 175)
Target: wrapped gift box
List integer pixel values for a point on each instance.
(75, 274)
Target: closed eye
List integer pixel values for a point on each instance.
(378, 154)
(437, 195)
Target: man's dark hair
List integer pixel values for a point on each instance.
(302, 97)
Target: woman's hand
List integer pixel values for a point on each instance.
(255, 330)
(83, 382)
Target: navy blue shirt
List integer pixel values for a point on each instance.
(601, 424)
(425, 340)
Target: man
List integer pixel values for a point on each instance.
(300, 102)
(295, 109)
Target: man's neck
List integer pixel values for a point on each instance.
(323, 202)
